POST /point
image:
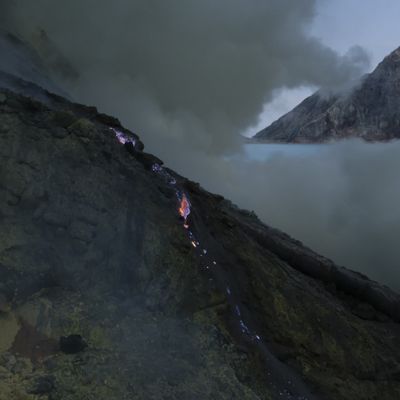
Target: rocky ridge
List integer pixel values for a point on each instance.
(93, 246)
(369, 111)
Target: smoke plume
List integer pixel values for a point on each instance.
(341, 200)
(188, 75)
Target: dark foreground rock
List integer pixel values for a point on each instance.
(369, 111)
(72, 344)
(43, 385)
(91, 241)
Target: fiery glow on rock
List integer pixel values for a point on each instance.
(156, 168)
(244, 327)
(122, 137)
(184, 208)
(184, 211)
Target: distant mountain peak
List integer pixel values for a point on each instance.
(370, 110)
(393, 56)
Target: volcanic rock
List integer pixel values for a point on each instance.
(72, 344)
(228, 308)
(4, 304)
(370, 110)
(43, 385)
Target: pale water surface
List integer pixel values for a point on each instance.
(262, 152)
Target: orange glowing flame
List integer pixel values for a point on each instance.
(184, 208)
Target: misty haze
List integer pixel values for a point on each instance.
(199, 200)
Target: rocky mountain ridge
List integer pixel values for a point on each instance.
(121, 279)
(369, 111)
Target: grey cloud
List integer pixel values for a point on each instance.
(343, 201)
(192, 71)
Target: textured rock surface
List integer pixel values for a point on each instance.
(369, 111)
(91, 244)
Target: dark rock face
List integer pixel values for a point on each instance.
(72, 344)
(43, 385)
(369, 111)
(92, 242)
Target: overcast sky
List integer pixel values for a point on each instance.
(340, 24)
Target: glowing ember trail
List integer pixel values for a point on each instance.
(122, 137)
(184, 209)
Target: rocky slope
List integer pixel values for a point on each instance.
(369, 111)
(108, 292)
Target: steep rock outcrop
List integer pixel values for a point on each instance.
(92, 244)
(369, 111)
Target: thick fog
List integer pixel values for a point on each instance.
(342, 200)
(186, 74)
(190, 76)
